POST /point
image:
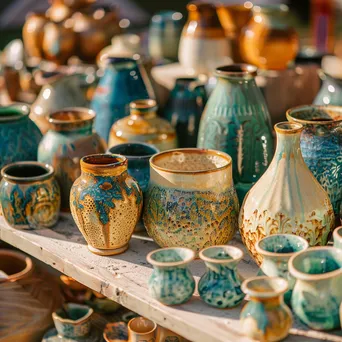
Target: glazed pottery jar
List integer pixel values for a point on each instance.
(287, 199)
(330, 92)
(29, 195)
(220, 286)
(268, 41)
(236, 121)
(70, 138)
(19, 135)
(266, 317)
(276, 251)
(338, 237)
(116, 332)
(317, 295)
(141, 329)
(203, 45)
(191, 200)
(184, 109)
(321, 145)
(121, 83)
(143, 125)
(105, 203)
(171, 282)
(166, 335)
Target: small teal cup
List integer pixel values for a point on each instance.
(337, 234)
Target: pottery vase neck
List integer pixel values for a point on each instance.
(236, 73)
(270, 301)
(204, 14)
(144, 108)
(121, 64)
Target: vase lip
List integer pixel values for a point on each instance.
(19, 110)
(153, 325)
(152, 150)
(102, 162)
(277, 286)
(72, 116)
(238, 70)
(337, 234)
(317, 276)
(190, 255)
(143, 105)
(78, 321)
(288, 128)
(235, 253)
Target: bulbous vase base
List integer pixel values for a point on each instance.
(112, 251)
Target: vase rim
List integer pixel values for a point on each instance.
(19, 111)
(152, 329)
(151, 148)
(102, 161)
(277, 286)
(238, 70)
(143, 105)
(90, 311)
(288, 128)
(235, 253)
(337, 233)
(190, 255)
(72, 116)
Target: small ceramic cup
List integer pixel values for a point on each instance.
(141, 329)
(337, 234)
(171, 282)
(116, 332)
(78, 323)
(220, 286)
(276, 251)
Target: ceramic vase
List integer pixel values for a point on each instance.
(321, 145)
(19, 135)
(171, 282)
(166, 335)
(203, 45)
(184, 109)
(143, 125)
(116, 332)
(191, 200)
(317, 296)
(236, 121)
(70, 138)
(287, 199)
(266, 317)
(121, 83)
(105, 203)
(141, 329)
(330, 92)
(338, 237)
(276, 251)
(220, 286)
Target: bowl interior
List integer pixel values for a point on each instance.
(317, 114)
(282, 244)
(11, 265)
(142, 325)
(134, 150)
(74, 312)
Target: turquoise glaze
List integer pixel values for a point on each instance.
(338, 237)
(317, 295)
(220, 286)
(276, 251)
(121, 84)
(330, 92)
(171, 282)
(236, 121)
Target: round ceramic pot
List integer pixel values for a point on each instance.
(171, 282)
(266, 317)
(330, 92)
(141, 329)
(317, 295)
(106, 203)
(276, 251)
(191, 200)
(116, 332)
(19, 136)
(321, 145)
(338, 237)
(70, 138)
(220, 286)
(166, 335)
(29, 195)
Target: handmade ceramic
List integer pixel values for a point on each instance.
(70, 138)
(220, 286)
(116, 332)
(141, 329)
(265, 317)
(143, 125)
(29, 195)
(321, 145)
(203, 45)
(236, 121)
(276, 251)
(268, 41)
(317, 295)
(338, 237)
(191, 200)
(105, 203)
(171, 282)
(184, 109)
(121, 83)
(19, 136)
(330, 92)
(287, 199)
(166, 335)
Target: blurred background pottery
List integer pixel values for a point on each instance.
(317, 296)
(330, 92)
(338, 237)
(143, 125)
(191, 200)
(220, 286)
(287, 199)
(116, 332)
(70, 138)
(106, 203)
(166, 335)
(171, 282)
(141, 329)
(236, 121)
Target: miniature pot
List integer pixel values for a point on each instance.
(116, 332)
(141, 329)
(337, 234)
(166, 335)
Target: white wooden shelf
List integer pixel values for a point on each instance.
(124, 277)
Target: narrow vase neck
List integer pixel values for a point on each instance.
(288, 144)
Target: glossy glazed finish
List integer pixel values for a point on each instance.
(116, 332)
(143, 125)
(220, 286)
(171, 282)
(321, 145)
(236, 121)
(317, 295)
(184, 110)
(19, 136)
(121, 83)
(106, 203)
(70, 138)
(191, 200)
(141, 329)
(338, 237)
(330, 92)
(276, 251)
(266, 317)
(166, 335)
